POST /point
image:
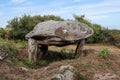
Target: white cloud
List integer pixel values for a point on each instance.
(93, 10)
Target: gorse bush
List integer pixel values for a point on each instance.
(104, 53)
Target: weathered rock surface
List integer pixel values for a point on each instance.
(66, 73)
(66, 67)
(24, 69)
(58, 76)
(3, 54)
(60, 30)
(69, 75)
(107, 76)
(57, 33)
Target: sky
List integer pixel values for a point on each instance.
(103, 12)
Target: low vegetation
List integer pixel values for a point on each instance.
(12, 40)
(104, 53)
(18, 27)
(78, 76)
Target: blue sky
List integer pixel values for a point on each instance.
(103, 12)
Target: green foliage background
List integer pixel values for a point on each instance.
(18, 27)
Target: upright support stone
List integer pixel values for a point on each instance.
(79, 48)
(32, 49)
(36, 50)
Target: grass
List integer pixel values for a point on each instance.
(11, 47)
(70, 53)
(17, 43)
(55, 79)
(78, 76)
(104, 53)
(28, 62)
(85, 67)
(42, 63)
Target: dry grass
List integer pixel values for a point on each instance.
(87, 66)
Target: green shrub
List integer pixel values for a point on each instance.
(15, 61)
(116, 40)
(104, 53)
(71, 54)
(63, 51)
(14, 49)
(20, 43)
(42, 63)
(28, 62)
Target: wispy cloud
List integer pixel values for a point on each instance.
(18, 1)
(76, 0)
(96, 10)
(98, 17)
(90, 9)
(93, 9)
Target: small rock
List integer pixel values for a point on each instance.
(46, 68)
(58, 76)
(110, 76)
(69, 75)
(62, 68)
(3, 54)
(107, 76)
(98, 76)
(1, 58)
(24, 69)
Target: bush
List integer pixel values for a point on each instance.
(71, 54)
(116, 40)
(28, 62)
(2, 32)
(104, 53)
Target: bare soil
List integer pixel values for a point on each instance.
(87, 65)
